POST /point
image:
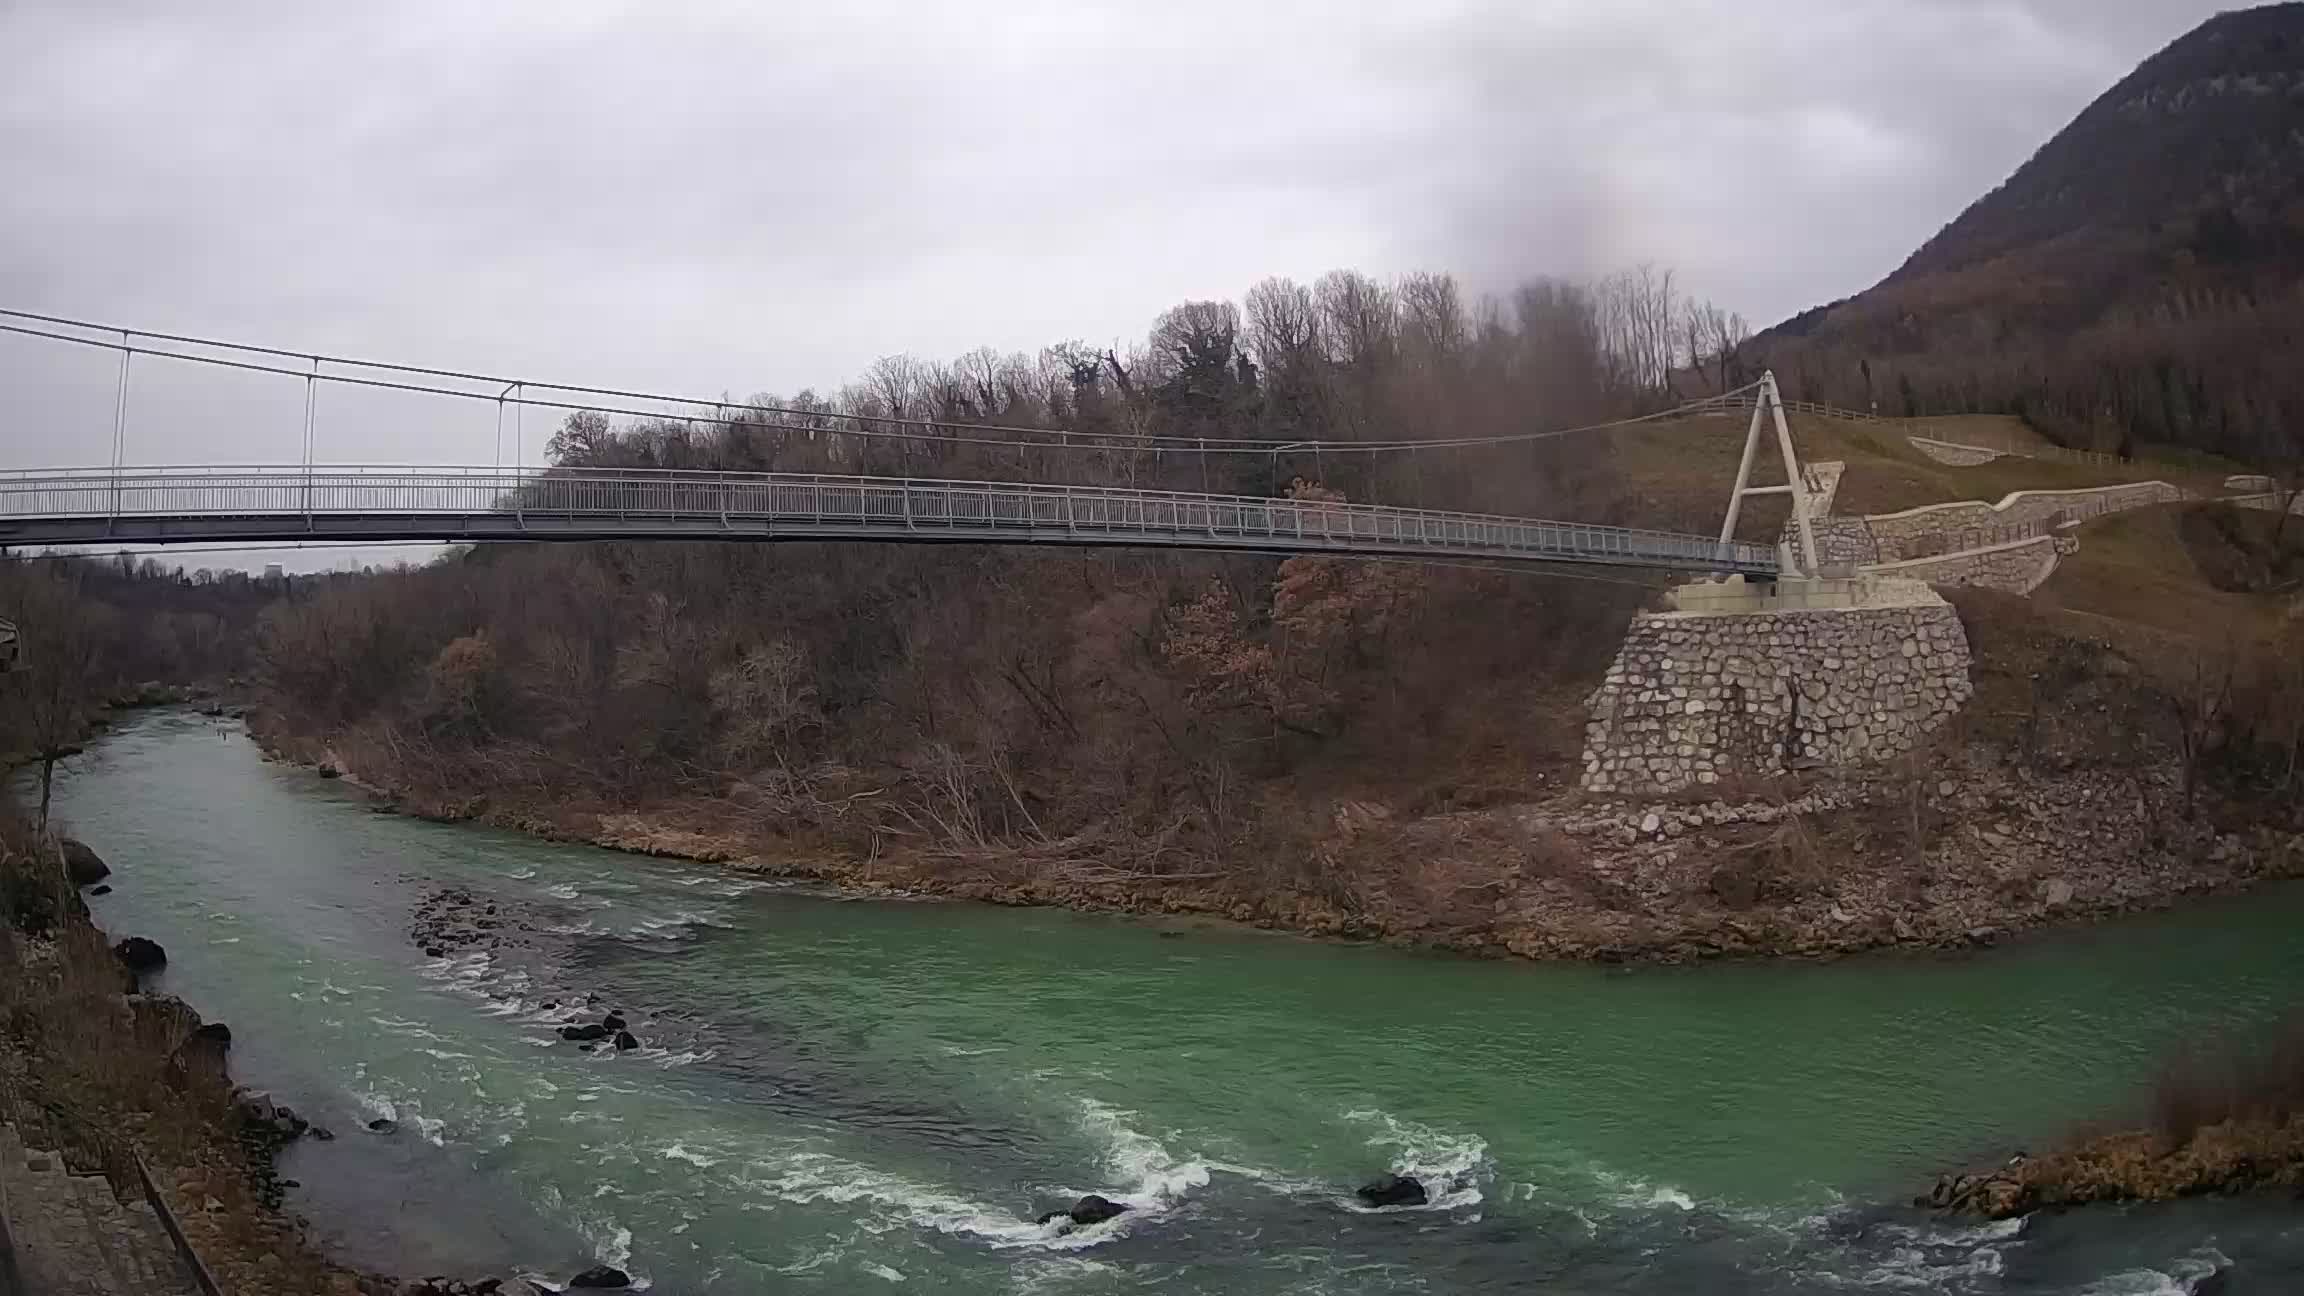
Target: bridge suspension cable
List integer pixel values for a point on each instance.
(513, 392)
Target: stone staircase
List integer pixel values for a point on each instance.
(72, 1237)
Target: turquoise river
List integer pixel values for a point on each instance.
(862, 1096)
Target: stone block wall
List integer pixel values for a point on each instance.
(1953, 453)
(1695, 696)
(1839, 540)
(1927, 530)
(2019, 567)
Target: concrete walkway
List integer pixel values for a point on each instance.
(73, 1238)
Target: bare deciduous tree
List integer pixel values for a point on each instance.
(60, 672)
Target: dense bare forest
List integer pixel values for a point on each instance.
(1155, 713)
(2136, 282)
(99, 631)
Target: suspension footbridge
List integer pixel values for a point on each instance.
(123, 503)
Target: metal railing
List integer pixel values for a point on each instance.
(115, 1153)
(1740, 402)
(162, 504)
(194, 1266)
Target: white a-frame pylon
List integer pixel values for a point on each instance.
(1766, 402)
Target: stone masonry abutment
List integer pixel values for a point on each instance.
(1757, 681)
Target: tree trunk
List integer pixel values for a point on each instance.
(47, 785)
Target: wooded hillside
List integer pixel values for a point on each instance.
(2139, 281)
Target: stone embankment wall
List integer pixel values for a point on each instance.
(1928, 530)
(1696, 696)
(1843, 540)
(2018, 567)
(1953, 453)
(1840, 541)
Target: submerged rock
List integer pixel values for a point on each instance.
(382, 1126)
(625, 1040)
(613, 1022)
(1393, 1190)
(601, 1276)
(100, 889)
(328, 771)
(587, 1032)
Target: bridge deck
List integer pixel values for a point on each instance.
(266, 504)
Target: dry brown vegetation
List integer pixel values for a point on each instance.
(1086, 720)
(2225, 1116)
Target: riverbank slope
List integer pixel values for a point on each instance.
(95, 1070)
(2059, 796)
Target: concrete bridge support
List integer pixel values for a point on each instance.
(1764, 679)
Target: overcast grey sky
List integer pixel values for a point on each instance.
(762, 196)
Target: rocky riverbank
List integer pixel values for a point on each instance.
(2244, 1155)
(93, 1067)
(103, 1070)
(1957, 851)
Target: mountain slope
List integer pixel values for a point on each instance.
(2136, 281)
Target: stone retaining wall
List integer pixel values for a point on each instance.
(1695, 696)
(1949, 452)
(2018, 567)
(1925, 531)
(1840, 541)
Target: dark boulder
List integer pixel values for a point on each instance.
(382, 1126)
(1393, 1190)
(588, 1031)
(84, 866)
(613, 1022)
(625, 1040)
(269, 1122)
(2216, 1283)
(601, 1276)
(1090, 1209)
(330, 771)
(140, 955)
(100, 889)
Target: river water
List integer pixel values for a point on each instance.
(847, 1096)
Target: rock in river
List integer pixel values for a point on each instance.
(588, 1031)
(601, 1276)
(625, 1040)
(1393, 1190)
(85, 866)
(140, 955)
(1090, 1209)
